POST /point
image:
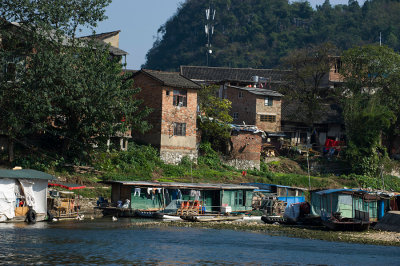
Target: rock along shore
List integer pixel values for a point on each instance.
(373, 237)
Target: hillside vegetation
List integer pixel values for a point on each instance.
(257, 33)
(143, 163)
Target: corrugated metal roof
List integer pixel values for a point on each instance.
(268, 186)
(181, 185)
(25, 173)
(330, 191)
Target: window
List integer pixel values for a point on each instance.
(179, 129)
(168, 92)
(14, 68)
(239, 199)
(268, 101)
(236, 115)
(338, 65)
(267, 118)
(240, 94)
(180, 98)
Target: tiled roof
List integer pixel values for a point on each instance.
(104, 35)
(216, 74)
(98, 38)
(296, 112)
(259, 91)
(172, 79)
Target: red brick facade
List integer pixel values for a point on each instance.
(245, 150)
(165, 116)
(246, 145)
(250, 107)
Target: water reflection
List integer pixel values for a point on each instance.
(102, 241)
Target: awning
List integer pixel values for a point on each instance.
(66, 185)
(276, 134)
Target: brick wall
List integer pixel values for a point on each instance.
(246, 150)
(275, 110)
(245, 106)
(151, 94)
(164, 115)
(251, 106)
(174, 148)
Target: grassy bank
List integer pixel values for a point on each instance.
(143, 163)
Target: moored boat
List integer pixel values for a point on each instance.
(211, 218)
(347, 224)
(148, 214)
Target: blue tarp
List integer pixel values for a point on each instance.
(329, 191)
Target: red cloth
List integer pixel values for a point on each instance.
(329, 143)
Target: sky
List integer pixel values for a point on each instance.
(139, 21)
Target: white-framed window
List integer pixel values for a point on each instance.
(179, 129)
(268, 101)
(235, 115)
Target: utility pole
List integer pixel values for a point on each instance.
(209, 30)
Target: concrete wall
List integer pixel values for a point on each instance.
(113, 40)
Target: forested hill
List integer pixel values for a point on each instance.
(257, 33)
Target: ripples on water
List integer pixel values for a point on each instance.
(104, 242)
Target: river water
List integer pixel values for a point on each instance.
(101, 241)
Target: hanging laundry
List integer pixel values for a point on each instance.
(149, 190)
(192, 193)
(197, 195)
(159, 190)
(137, 192)
(179, 194)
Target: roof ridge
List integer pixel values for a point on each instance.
(234, 68)
(115, 32)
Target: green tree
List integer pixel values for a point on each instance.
(214, 119)
(68, 89)
(307, 80)
(371, 96)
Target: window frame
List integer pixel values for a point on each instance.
(179, 129)
(240, 94)
(268, 101)
(179, 98)
(240, 198)
(268, 118)
(235, 115)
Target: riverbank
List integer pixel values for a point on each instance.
(372, 237)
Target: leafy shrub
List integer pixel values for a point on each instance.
(209, 157)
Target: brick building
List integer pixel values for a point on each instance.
(255, 106)
(245, 147)
(173, 99)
